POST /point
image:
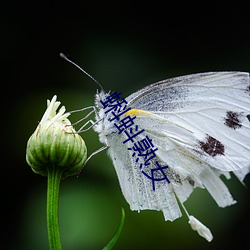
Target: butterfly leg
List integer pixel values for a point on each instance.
(81, 129)
(86, 116)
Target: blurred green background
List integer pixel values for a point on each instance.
(125, 47)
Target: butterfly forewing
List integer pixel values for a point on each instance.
(211, 107)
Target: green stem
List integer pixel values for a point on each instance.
(54, 177)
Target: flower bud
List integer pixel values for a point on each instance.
(55, 144)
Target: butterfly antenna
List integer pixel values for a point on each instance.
(86, 73)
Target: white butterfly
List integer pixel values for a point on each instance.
(199, 125)
(199, 129)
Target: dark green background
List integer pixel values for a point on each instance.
(125, 45)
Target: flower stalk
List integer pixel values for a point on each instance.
(55, 150)
(53, 185)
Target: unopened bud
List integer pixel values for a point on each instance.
(55, 143)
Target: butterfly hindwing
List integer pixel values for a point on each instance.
(137, 188)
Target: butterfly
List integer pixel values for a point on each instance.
(199, 125)
(189, 130)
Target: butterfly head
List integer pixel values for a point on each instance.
(103, 125)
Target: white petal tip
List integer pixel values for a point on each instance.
(200, 228)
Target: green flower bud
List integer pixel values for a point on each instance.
(55, 144)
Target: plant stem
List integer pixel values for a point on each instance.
(54, 177)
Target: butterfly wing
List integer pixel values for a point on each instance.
(199, 126)
(138, 190)
(213, 107)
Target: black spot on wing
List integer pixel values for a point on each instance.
(191, 181)
(233, 119)
(212, 146)
(248, 117)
